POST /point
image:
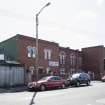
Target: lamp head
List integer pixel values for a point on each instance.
(48, 4)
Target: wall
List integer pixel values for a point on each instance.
(9, 48)
(24, 42)
(70, 67)
(93, 60)
(11, 76)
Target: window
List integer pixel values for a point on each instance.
(40, 71)
(55, 78)
(47, 53)
(80, 61)
(62, 58)
(72, 71)
(34, 52)
(62, 71)
(31, 51)
(72, 59)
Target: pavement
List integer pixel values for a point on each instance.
(13, 89)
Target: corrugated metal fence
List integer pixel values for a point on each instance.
(11, 76)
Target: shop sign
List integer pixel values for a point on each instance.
(53, 63)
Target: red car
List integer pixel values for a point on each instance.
(48, 82)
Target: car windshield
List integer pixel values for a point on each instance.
(75, 75)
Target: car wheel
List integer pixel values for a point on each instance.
(103, 80)
(68, 83)
(77, 84)
(88, 83)
(63, 86)
(42, 87)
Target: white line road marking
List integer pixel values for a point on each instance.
(101, 101)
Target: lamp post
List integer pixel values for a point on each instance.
(37, 23)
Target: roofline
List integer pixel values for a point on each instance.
(94, 47)
(30, 38)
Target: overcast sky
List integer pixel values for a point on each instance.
(71, 23)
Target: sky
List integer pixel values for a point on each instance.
(71, 23)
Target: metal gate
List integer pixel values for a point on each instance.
(11, 76)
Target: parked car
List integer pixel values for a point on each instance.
(78, 79)
(103, 79)
(48, 82)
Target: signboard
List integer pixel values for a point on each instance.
(53, 63)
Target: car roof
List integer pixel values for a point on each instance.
(80, 73)
(49, 77)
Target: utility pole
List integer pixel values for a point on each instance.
(37, 52)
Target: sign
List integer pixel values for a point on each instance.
(53, 64)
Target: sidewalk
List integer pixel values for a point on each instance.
(96, 81)
(13, 89)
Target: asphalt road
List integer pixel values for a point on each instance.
(86, 95)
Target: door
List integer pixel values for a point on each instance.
(55, 81)
(82, 78)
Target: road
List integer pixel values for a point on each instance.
(86, 95)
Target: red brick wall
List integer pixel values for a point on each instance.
(24, 41)
(77, 66)
(93, 60)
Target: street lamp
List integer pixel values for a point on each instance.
(37, 23)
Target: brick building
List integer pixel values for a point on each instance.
(22, 49)
(94, 61)
(70, 61)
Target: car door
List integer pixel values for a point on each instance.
(86, 76)
(55, 81)
(52, 82)
(81, 78)
(58, 81)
